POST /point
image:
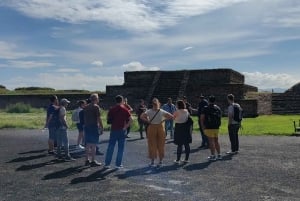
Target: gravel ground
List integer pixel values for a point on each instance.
(267, 168)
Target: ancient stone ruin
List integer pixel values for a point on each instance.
(287, 102)
(190, 83)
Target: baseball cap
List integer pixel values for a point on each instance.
(64, 100)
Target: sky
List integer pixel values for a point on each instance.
(88, 44)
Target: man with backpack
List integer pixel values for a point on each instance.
(234, 123)
(211, 121)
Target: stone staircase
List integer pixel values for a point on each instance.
(168, 85)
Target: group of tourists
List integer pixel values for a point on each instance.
(155, 121)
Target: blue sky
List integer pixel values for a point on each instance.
(88, 44)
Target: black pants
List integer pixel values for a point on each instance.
(203, 136)
(233, 130)
(187, 150)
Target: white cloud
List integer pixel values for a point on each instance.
(137, 66)
(29, 64)
(269, 81)
(65, 81)
(132, 15)
(67, 70)
(12, 51)
(97, 63)
(187, 48)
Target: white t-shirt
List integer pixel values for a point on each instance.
(181, 116)
(158, 118)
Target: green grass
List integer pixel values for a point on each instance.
(262, 125)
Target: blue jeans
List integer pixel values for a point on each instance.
(169, 126)
(115, 136)
(62, 140)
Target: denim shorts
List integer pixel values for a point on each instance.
(52, 133)
(91, 134)
(79, 127)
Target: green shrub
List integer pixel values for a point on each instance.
(18, 108)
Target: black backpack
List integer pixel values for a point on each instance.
(237, 113)
(213, 117)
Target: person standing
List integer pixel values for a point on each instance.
(155, 131)
(169, 107)
(52, 122)
(120, 121)
(93, 128)
(129, 108)
(202, 102)
(62, 134)
(183, 131)
(188, 105)
(79, 125)
(211, 121)
(141, 109)
(233, 125)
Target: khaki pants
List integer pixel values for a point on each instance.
(156, 141)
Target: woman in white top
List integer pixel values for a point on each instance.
(182, 134)
(156, 131)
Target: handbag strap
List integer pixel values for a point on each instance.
(154, 116)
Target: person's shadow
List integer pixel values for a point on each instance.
(38, 165)
(148, 171)
(27, 158)
(96, 176)
(65, 173)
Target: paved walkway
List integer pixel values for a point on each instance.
(267, 169)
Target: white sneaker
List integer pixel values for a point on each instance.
(177, 161)
(212, 158)
(80, 146)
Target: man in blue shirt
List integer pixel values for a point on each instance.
(171, 108)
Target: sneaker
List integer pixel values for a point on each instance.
(51, 152)
(185, 161)
(212, 158)
(95, 163)
(151, 164)
(87, 163)
(229, 152)
(236, 152)
(159, 164)
(119, 166)
(127, 136)
(219, 157)
(69, 158)
(59, 158)
(107, 167)
(80, 146)
(177, 161)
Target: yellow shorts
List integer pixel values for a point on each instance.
(211, 132)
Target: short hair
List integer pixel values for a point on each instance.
(81, 102)
(155, 101)
(119, 99)
(230, 97)
(211, 99)
(180, 104)
(94, 97)
(53, 98)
